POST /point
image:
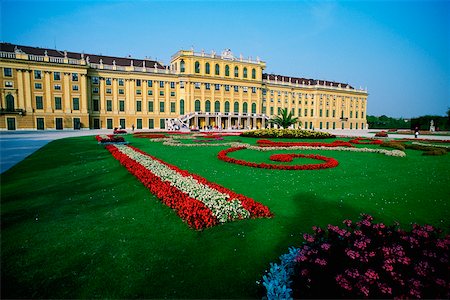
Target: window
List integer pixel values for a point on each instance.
(151, 123)
(109, 123)
(74, 76)
(172, 107)
(182, 67)
(207, 71)
(161, 84)
(244, 107)
(162, 123)
(253, 108)
(108, 81)
(306, 112)
(38, 85)
(208, 106)
(150, 106)
(351, 114)
(236, 88)
(207, 86)
(236, 71)
(94, 80)
(75, 87)
(245, 72)
(356, 116)
(236, 107)
(121, 105)
(161, 93)
(334, 114)
(172, 85)
(95, 90)
(10, 84)
(58, 104)
(217, 106)
(149, 83)
(181, 107)
(197, 105)
(57, 87)
(271, 111)
(253, 90)
(138, 123)
(299, 112)
(121, 82)
(75, 103)
(253, 74)
(245, 89)
(121, 92)
(312, 112)
(161, 106)
(108, 105)
(197, 67)
(138, 105)
(37, 74)
(197, 85)
(138, 92)
(96, 106)
(217, 87)
(327, 114)
(227, 87)
(7, 72)
(227, 106)
(108, 90)
(39, 102)
(138, 82)
(217, 69)
(227, 70)
(149, 92)
(181, 84)
(56, 76)
(122, 123)
(320, 113)
(172, 94)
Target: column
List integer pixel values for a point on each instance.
(83, 94)
(115, 91)
(48, 96)
(67, 106)
(27, 91)
(102, 95)
(20, 88)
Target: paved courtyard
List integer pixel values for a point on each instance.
(17, 145)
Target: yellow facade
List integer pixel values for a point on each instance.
(48, 89)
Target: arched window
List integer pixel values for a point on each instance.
(207, 68)
(253, 74)
(253, 108)
(197, 105)
(182, 68)
(208, 106)
(227, 106)
(197, 67)
(181, 107)
(236, 71)
(236, 107)
(9, 102)
(227, 70)
(244, 107)
(217, 69)
(217, 106)
(245, 72)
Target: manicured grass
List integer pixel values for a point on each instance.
(76, 224)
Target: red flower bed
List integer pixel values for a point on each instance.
(119, 131)
(110, 138)
(268, 143)
(191, 210)
(366, 141)
(329, 162)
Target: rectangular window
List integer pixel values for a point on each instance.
(138, 123)
(138, 105)
(162, 123)
(150, 106)
(138, 92)
(217, 87)
(151, 123)
(306, 112)
(76, 103)
(327, 114)
(108, 90)
(9, 84)
(121, 82)
(95, 80)
(56, 76)
(299, 112)
(161, 93)
(161, 84)
(7, 72)
(245, 89)
(95, 105)
(271, 111)
(109, 123)
(39, 102)
(227, 87)
(181, 84)
(138, 82)
(253, 90)
(236, 88)
(75, 87)
(95, 90)
(58, 104)
(121, 105)
(108, 105)
(37, 74)
(121, 92)
(197, 85)
(38, 85)
(122, 123)
(74, 76)
(149, 83)
(172, 85)
(207, 86)
(149, 92)
(57, 87)
(172, 107)
(172, 94)
(108, 81)
(312, 112)
(320, 113)
(161, 106)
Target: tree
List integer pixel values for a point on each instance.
(285, 119)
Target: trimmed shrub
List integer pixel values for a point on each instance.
(381, 134)
(435, 152)
(394, 145)
(287, 133)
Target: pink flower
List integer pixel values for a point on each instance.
(309, 238)
(325, 246)
(371, 274)
(352, 254)
(321, 262)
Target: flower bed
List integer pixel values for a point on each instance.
(329, 162)
(109, 138)
(287, 133)
(364, 260)
(366, 141)
(119, 131)
(268, 143)
(198, 202)
(150, 135)
(381, 134)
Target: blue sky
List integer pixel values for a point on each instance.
(399, 50)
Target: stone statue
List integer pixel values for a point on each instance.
(432, 129)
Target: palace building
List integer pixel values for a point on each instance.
(50, 89)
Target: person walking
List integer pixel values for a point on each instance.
(416, 132)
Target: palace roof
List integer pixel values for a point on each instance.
(305, 81)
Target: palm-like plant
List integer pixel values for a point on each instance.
(285, 119)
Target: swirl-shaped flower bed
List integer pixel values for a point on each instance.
(268, 143)
(366, 141)
(328, 162)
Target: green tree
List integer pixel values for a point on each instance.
(285, 119)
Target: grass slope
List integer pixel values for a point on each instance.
(75, 224)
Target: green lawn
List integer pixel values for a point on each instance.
(76, 224)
